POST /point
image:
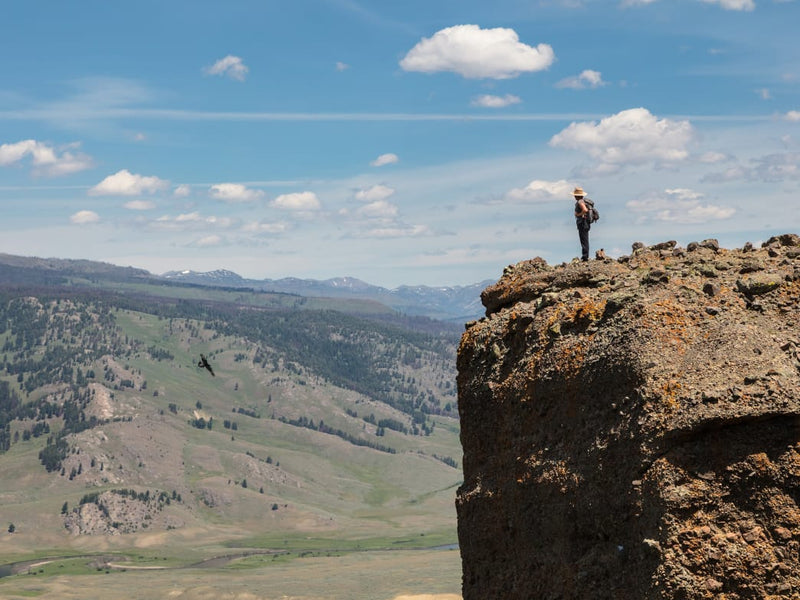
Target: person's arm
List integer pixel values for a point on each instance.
(580, 209)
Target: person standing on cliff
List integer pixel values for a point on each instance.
(583, 219)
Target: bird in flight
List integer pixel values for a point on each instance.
(204, 363)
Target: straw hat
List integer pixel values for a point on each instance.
(579, 192)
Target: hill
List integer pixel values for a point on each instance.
(327, 426)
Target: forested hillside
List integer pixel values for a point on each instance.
(315, 422)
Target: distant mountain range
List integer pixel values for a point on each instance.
(447, 303)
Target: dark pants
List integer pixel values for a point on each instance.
(583, 234)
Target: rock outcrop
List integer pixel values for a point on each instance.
(631, 427)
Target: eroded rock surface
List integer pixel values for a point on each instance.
(630, 427)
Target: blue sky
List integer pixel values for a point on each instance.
(418, 142)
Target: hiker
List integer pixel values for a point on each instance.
(583, 219)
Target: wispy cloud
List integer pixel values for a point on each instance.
(477, 53)
(140, 205)
(678, 206)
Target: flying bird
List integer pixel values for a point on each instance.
(204, 363)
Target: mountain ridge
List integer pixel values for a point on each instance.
(446, 303)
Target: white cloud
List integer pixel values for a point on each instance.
(234, 192)
(778, 167)
(586, 79)
(376, 192)
(83, 217)
(764, 94)
(264, 227)
(340, 66)
(630, 137)
(140, 205)
(232, 66)
(678, 205)
(770, 168)
(539, 190)
(726, 4)
(734, 4)
(182, 191)
(125, 183)
(477, 53)
(299, 202)
(490, 101)
(379, 209)
(396, 231)
(192, 220)
(793, 115)
(209, 240)
(45, 159)
(385, 159)
(713, 157)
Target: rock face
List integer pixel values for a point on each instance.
(631, 427)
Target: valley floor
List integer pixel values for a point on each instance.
(433, 574)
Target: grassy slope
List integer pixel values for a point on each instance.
(332, 496)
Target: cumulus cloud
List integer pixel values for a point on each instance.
(83, 217)
(46, 160)
(297, 202)
(586, 79)
(140, 205)
(793, 115)
(477, 53)
(340, 66)
(679, 205)
(125, 183)
(234, 192)
(385, 159)
(630, 137)
(376, 192)
(540, 190)
(230, 66)
(379, 209)
(182, 191)
(490, 101)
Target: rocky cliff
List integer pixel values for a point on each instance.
(630, 427)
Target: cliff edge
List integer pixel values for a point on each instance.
(630, 427)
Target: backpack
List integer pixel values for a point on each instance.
(593, 215)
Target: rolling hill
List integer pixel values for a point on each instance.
(328, 426)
